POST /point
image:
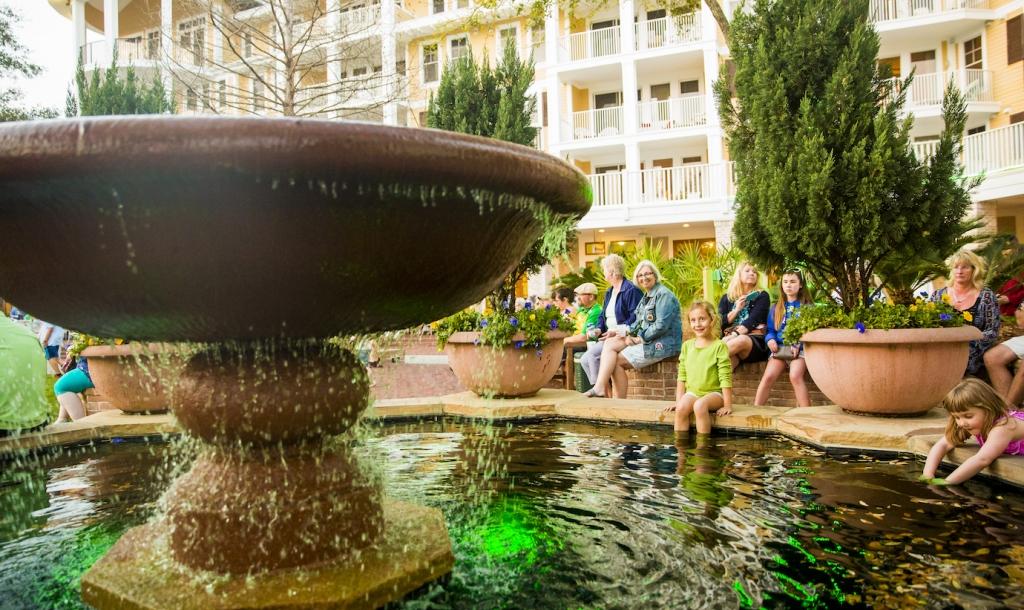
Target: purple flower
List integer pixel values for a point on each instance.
(513, 321)
(527, 305)
(924, 293)
(945, 317)
(568, 312)
(860, 327)
(483, 323)
(518, 345)
(476, 341)
(548, 307)
(554, 325)
(540, 353)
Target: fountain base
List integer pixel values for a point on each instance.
(138, 572)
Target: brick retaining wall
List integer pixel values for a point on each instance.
(658, 382)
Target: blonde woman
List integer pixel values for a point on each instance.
(967, 293)
(744, 312)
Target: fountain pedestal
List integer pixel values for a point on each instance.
(275, 500)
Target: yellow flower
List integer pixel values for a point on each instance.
(913, 307)
(533, 316)
(945, 297)
(967, 316)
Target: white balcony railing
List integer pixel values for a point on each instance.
(129, 51)
(358, 19)
(590, 44)
(925, 150)
(695, 182)
(928, 89)
(687, 111)
(996, 150)
(668, 31)
(882, 11)
(605, 122)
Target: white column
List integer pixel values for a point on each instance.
(218, 36)
(387, 56)
(632, 177)
(629, 103)
(714, 126)
(627, 31)
(708, 25)
(110, 28)
(334, 54)
(551, 35)
(167, 41)
(78, 28)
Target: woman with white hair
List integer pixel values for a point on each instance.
(620, 302)
(656, 334)
(968, 294)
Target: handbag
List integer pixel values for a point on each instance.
(786, 353)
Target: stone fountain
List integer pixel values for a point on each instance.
(258, 238)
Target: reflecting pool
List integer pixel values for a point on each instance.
(571, 515)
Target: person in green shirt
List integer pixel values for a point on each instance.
(588, 315)
(705, 374)
(23, 404)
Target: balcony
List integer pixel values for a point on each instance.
(359, 19)
(886, 11)
(927, 89)
(591, 124)
(995, 151)
(673, 113)
(679, 184)
(668, 31)
(134, 50)
(589, 45)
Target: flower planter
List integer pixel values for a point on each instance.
(892, 373)
(135, 377)
(506, 371)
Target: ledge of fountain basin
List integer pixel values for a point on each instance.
(101, 426)
(832, 429)
(625, 410)
(543, 404)
(1008, 468)
(400, 408)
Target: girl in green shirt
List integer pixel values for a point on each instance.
(705, 373)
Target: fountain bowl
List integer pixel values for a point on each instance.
(212, 229)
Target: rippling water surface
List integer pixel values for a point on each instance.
(567, 515)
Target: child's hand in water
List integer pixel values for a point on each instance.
(932, 481)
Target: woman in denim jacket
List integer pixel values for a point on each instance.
(656, 334)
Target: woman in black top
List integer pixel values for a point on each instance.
(744, 311)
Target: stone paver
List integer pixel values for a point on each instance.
(832, 428)
(108, 424)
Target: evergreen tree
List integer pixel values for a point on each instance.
(111, 94)
(826, 174)
(491, 103)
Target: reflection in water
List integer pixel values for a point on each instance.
(560, 515)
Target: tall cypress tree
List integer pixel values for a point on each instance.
(492, 103)
(112, 94)
(826, 173)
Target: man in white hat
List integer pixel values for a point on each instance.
(588, 314)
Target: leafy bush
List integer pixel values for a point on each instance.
(880, 316)
(527, 327)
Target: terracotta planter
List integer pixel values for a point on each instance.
(503, 372)
(893, 373)
(135, 377)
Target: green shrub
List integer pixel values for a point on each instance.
(499, 329)
(880, 316)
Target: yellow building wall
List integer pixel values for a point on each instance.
(1007, 80)
(580, 99)
(419, 8)
(583, 166)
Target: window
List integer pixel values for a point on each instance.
(459, 48)
(192, 38)
(689, 87)
(191, 100)
(507, 36)
(247, 45)
(437, 6)
(430, 63)
(222, 94)
(696, 159)
(923, 61)
(153, 45)
(422, 118)
(400, 68)
(972, 54)
(462, 3)
(257, 96)
(660, 92)
(1015, 39)
(974, 130)
(607, 100)
(1017, 118)
(359, 71)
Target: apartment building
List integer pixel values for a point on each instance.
(624, 89)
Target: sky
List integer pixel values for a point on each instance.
(47, 37)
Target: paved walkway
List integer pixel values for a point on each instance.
(827, 428)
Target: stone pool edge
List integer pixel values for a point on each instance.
(826, 428)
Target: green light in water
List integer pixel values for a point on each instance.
(746, 601)
(88, 545)
(513, 529)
